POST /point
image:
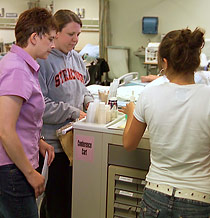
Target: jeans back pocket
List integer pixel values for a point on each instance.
(148, 212)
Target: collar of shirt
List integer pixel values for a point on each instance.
(25, 56)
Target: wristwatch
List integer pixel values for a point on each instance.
(42, 137)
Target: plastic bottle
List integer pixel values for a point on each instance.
(101, 113)
(112, 101)
(132, 97)
(108, 113)
(96, 109)
(90, 113)
(114, 112)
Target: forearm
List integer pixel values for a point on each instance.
(10, 107)
(87, 101)
(127, 134)
(128, 123)
(15, 151)
(45, 147)
(134, 129)
(88, 97)
(133, 133)
(59, 112)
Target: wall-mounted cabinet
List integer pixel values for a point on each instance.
(90, 25)
(7, 23)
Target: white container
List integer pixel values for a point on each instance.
(114, 112)
(101, 113)
(108, 113)
(132, 97)
(96, 105)
(112, 101)
(92, 112)
(90, 118)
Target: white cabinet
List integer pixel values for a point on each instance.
(98, 149)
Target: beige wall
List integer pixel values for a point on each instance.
(126, 18)
(91, 11)
(11, 6)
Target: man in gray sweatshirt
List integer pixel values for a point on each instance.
(62, 77)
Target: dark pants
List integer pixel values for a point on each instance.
(17, 199)
(57, 201)
(157, 204)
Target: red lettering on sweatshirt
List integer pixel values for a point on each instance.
(72, 74)
(64, 73)
(57, 80)
(60, 76)
(67, 74)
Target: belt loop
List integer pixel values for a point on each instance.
(174, 191)
(171, 201)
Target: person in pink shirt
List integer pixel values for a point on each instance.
(21, 109)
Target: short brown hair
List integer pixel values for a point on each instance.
(63, 17)
(35, 20)
(181, 49)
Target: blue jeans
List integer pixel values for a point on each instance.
(157, 204)
(17, 199)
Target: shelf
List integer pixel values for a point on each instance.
(7, 23)
(90, 25)
(139, 54)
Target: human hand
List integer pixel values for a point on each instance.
(87, 105)
(36, 180)
(45, 147)
(149, 78)
(129, 109)
(82, 115)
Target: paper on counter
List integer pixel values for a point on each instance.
(118, 125)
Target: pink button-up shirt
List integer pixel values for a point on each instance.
(19, 77)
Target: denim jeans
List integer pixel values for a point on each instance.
(157, 204)
(17, 199)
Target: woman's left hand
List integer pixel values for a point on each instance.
(87, 105)
(128, 109)
(45, 147)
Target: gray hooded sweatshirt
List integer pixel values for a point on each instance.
(62, 80)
